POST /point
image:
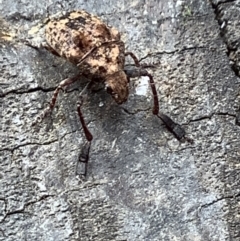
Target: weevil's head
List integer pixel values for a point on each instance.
(117, 86)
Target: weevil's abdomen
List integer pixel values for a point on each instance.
(72, 35)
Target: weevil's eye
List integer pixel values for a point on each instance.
(109, 90)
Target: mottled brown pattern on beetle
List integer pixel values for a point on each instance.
(75, 34)
(99, 53)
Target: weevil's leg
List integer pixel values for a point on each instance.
(175, 128)
(84, 154)
(83, 158)
(137, 62)
(134, 57)
(155, 95)
(87, 133)
(133, 73)
(51, 105)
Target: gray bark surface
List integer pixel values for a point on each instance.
(142, 183)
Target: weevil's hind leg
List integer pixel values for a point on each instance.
(84, 154)
(52, 103)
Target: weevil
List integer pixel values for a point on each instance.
(98, 51)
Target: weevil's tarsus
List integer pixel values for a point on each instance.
(175, 128)
(83, 159)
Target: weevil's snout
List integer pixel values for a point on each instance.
(117, 86)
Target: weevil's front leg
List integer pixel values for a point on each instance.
(133, 73)
(142, 72)
(175, 128)
(84, 154)
(137, 62)
(134, 57)
(51, 105)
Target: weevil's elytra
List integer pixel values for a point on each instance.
(74, 34)
(99, 53)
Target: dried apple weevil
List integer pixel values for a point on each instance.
(99, 53)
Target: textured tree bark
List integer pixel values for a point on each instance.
(142, 183)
